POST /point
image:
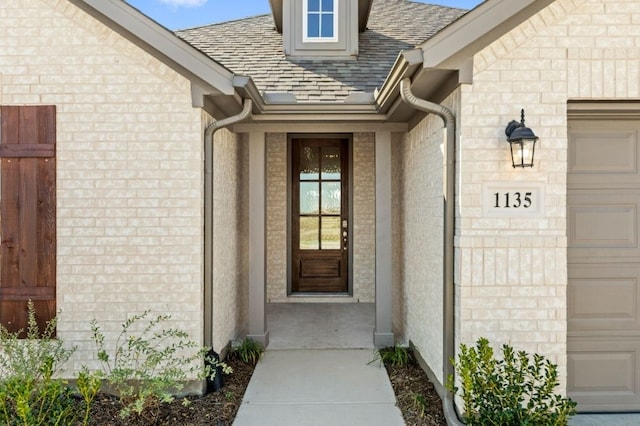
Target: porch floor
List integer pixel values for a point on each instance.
(320, 325)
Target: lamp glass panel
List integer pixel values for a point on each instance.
(527, 151)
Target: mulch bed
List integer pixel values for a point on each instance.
(416, 396)
(214, 409)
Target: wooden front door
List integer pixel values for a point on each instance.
(320, 215)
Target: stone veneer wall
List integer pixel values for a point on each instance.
(129, 169)
(363, 228)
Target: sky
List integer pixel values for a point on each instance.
(180, 14)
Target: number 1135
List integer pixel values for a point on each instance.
(514, 200)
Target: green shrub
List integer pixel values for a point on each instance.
(248, 351)
(513, 390)
(149, 366)
(29, 393)
(397, 356)
(88, 384)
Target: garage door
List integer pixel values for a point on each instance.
(603, 213)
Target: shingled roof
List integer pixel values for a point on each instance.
(252, 47)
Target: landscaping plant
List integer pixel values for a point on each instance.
(29, 392)
(398, 356)
(513, 390)
(149, 364)
(248, 351)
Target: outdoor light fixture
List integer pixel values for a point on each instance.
(522, 141)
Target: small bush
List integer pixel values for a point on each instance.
(513, 390)
(397, 356)
(29, 393)
(147, 367)
(248, 351)
(88, 384)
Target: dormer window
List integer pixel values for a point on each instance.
(320, 20)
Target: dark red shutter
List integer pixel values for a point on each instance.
(27, 214)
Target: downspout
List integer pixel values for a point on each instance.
(208, 214)
(448, 348)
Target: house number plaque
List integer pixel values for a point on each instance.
(512, 199)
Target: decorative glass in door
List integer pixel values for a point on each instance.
(320, 216)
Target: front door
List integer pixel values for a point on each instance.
(320, 215)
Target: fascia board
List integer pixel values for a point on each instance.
(364, 9)
(407, 62)
(475, 30)
(276, 11)
(162, 43)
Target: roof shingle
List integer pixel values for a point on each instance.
(252, 47)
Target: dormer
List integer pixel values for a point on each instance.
(320, 28)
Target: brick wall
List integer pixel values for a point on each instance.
(129, 158)
(511, 274)
(230, 241)
(363, 229)
(418, 236)
(276, 217)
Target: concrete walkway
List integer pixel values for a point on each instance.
(315, 372)
(319, 387)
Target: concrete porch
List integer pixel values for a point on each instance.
(320, 325)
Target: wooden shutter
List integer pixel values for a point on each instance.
(27, 214)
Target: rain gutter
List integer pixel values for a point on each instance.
(448, 347)
(208, 214)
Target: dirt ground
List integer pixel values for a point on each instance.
(416, 396)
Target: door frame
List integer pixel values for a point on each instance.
(349, 138)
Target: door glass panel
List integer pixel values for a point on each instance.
(309, 232)
(309, 197)
(331, 198)
(309, 163)
(331, 163)
(330, 233)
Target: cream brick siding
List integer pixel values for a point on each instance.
(276, 216)
(418, 237)
(129, 168)
(363, 228)
(230, 241)
(511, 272)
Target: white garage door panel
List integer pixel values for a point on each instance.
(603, 297)
(601, 378)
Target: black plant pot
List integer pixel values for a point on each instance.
(218, 381)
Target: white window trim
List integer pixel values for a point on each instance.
(305, 7)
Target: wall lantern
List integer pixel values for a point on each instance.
(522, 141)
